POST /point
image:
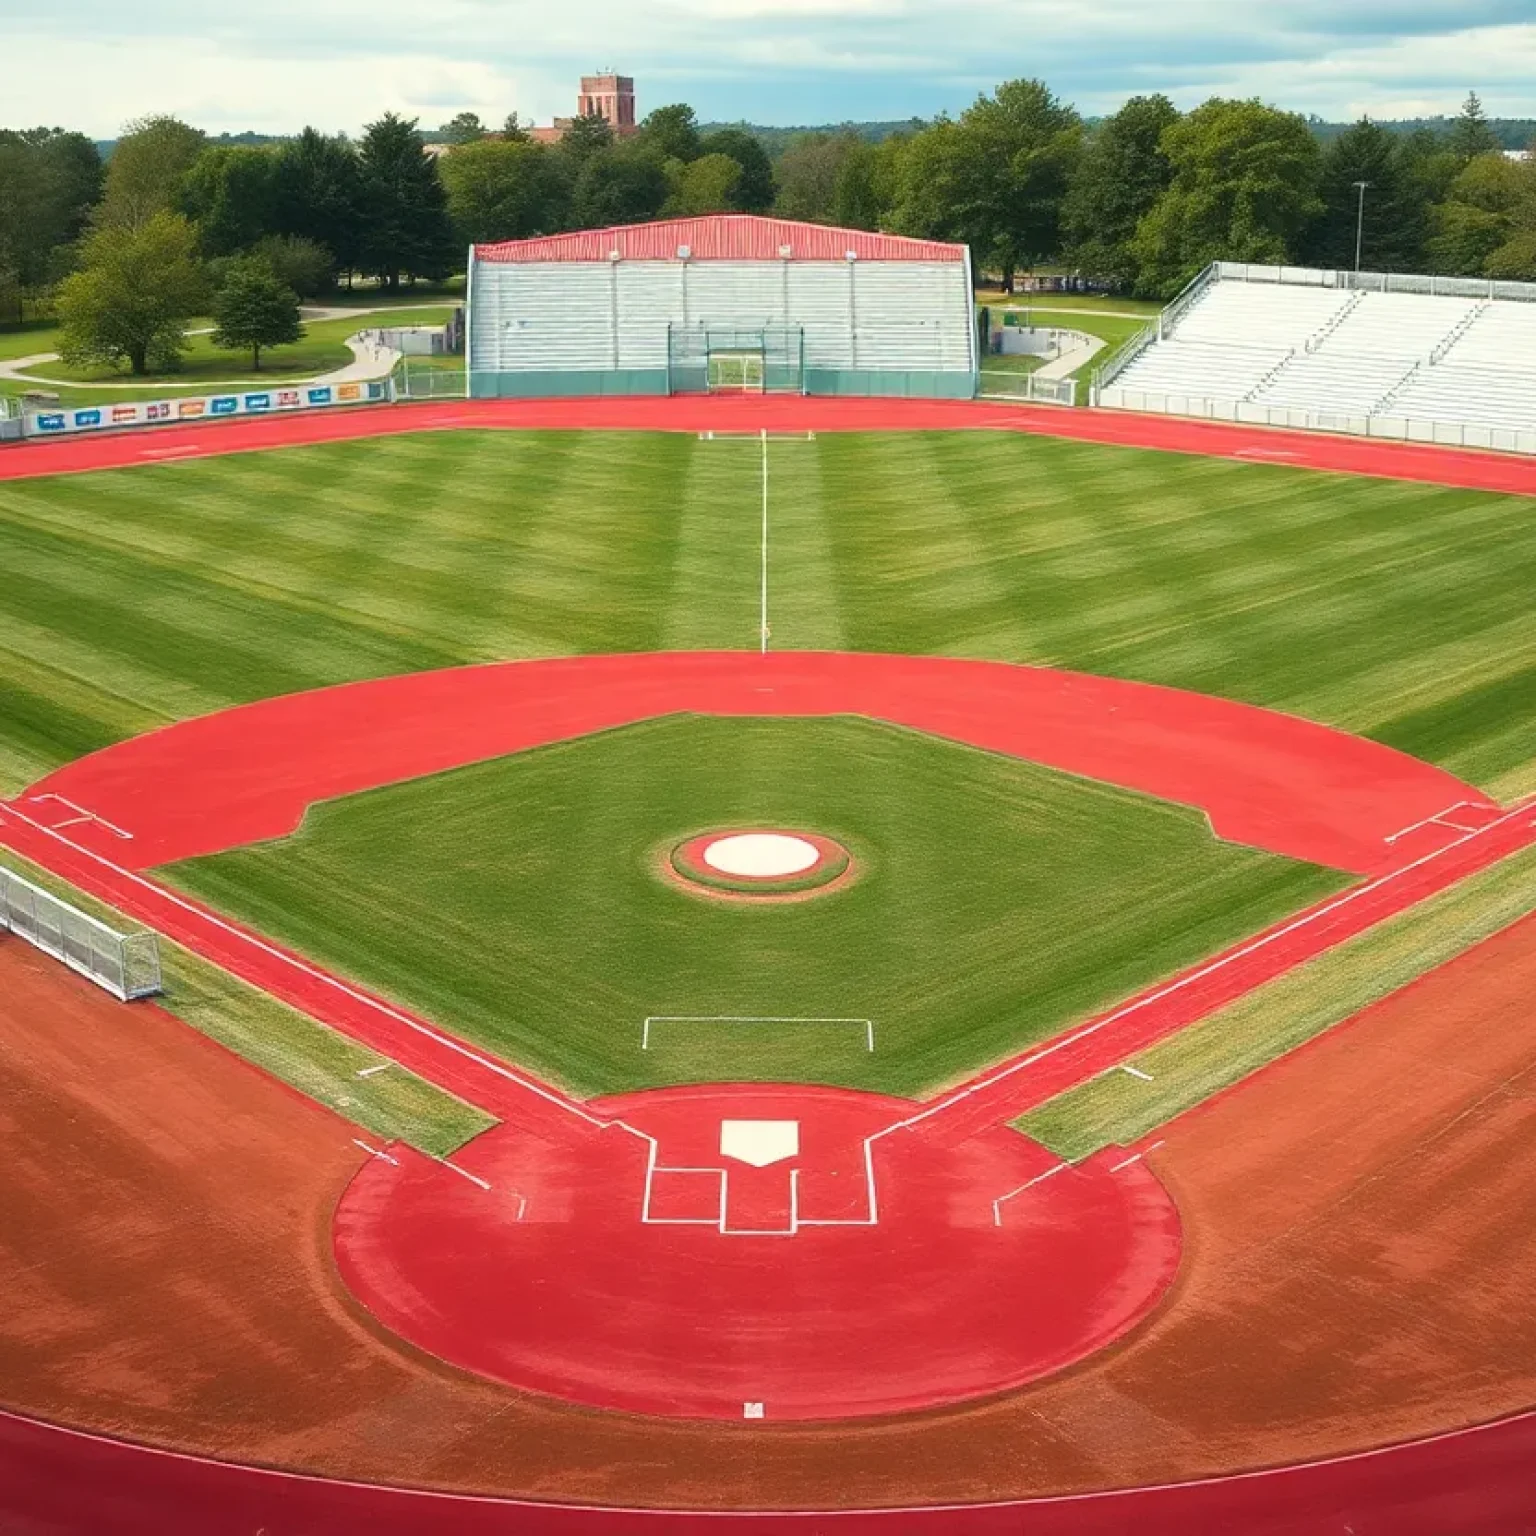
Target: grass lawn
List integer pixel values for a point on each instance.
(1118, 1108)
(521, 903)
(144, 595)
(322, 348)
(292, 1047)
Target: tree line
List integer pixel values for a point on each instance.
(1139, 201)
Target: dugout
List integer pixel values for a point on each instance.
(725, 303)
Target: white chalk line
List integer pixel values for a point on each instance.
(1179, 984)
(81, 814)
(357, 1141)
(652, 1167)
(867, 1025)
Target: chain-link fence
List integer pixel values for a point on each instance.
(126, 964)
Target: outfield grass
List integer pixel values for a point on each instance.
(290, 1046)
(1118, 1108)
(139, 596)
(522, 903)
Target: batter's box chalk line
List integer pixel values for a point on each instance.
(729, 1019)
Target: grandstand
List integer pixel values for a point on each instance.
(726, 302)
(1425, 359)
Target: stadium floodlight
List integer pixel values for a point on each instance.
(1360, 223)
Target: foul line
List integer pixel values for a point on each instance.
(763, 614)
(1179, 984)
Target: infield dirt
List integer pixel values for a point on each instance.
(1360, 1225)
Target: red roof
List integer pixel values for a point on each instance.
(721, 237)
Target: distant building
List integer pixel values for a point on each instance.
(610, 97)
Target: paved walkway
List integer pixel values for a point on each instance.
(369, 361)
(1078, 350)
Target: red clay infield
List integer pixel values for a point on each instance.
(650, 1270)
(1300, 450)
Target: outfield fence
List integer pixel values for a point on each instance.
(126, 964)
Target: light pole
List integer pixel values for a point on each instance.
(1360, 224)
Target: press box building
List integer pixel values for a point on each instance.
(725, 302)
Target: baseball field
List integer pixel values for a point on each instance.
(1103, 1063)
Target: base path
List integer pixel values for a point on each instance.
(1300, 450)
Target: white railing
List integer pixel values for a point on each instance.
(1009, 384)
(1449, 434)
(1376, 282)
(126, 964)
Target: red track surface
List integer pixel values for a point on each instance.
(1355, 456)
(245, 775)
(642, 1269)
(54, 1480)
(228, 779)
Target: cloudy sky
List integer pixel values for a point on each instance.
(278, 64)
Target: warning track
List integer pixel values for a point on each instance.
(1297, 450)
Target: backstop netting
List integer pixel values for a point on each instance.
(126, 964)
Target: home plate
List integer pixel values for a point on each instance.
(760, 1142)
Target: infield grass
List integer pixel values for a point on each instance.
(1118, 1108)
(139, 596)
(522, 903)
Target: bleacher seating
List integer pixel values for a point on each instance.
(1317, 350)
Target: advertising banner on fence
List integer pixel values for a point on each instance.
(135, 413)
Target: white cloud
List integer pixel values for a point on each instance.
(93, 64)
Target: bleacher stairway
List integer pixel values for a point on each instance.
(1314, 350)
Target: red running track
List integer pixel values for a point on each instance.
(59, 1481)
(1301, 450)
(244, 775)
(227, 779)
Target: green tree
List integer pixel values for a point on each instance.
(144, 175)
(755, 190)
(318, 195)
(587, 137)
(1515, 260)
(672, 133)
(1396, 220)
(624, 186)
(405, 228)
(136, 289)
(1485, 208)
(1471, 135)
(705, 185)
(810, 172)
(230, 193)
(302, 265)
(1118, 181)
(514, 130)
(463, 128)
(1245, 179)
(500, 189)
(996, 178)
(49, 181)
(869, 183)
(253, 308)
